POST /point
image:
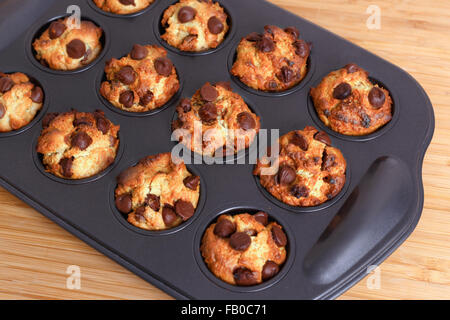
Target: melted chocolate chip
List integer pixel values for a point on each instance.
(293, 30)
(327, 160)
(270, 270)
(186, 14)
(208, 92)
(246, 121)
(81, 140)
(169, 216)
(301, 48)
(126, 75)
(208, 112)
(351, 68)
(82, 121)
(262, 218)
(124, 203)
(138, 52)
(2, 110)
(342, 91)
(37, 95)
(279, 236)
(323, 137)
(215, 26)
(244, 277)
(102, 125)
(153, 202)
(265, 44)
(191, 182)
(127, 98)
(286, 74)
(254, 37)
(76, 49)
(163, 66)
(184, 209)
(127, 2)
(48, 118)
(56, 29)
(300, 141)
(185, 105)
(6, 84)
(286, 175)
(66, 167)
(377, 97)
(240, 241)
(300, 191)
(224, 228)
(146, 98)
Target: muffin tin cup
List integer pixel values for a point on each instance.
(159, 31)
(123, 219)
(330, 245)
(233, 209)
(37, 30)
(122, 16)
(39, 114)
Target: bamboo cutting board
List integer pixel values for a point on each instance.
(35, 253)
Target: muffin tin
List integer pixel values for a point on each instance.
(330, 247)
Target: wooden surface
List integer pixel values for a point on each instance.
(414, 34)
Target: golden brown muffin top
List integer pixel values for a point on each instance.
(244, 249)
(65, 47)
(226, 122)
(349, 103)
(77, 145)
(157, 193)
(310, 170)
(273, 61)
(123, 6)
(195, 25)
(143, 80)
(20, 100)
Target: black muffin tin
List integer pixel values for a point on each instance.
(330, 246)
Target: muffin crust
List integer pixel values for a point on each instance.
(123, 6)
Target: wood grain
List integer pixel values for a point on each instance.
(34, 252)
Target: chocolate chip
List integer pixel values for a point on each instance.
(224, 84)
(270, 270)
(56, 29)
(377, 97)
(66, 166)
(265, 44)
(185, 105)
(300, 191)
(76, 49)
(189, 38)
(138, 52)
(286, 74)
(262, 218)
(153, 202)
(240, 241)
(208, 112)
(163, 66)
(301, 48)
(6, 84)
(127, 98)
(48, 118)
(254, 37)
(244, 277)
(327, 160)
(351, 68)
(102, 125)
(81, 121)
(191, 182)
(224, 228)
(37, 95)
(186, 14)
(215, 26)
(279, 236)
(146, 98)
(81, 140)
(293, 30)
(286, 175)
(272, 85)
(127, 2)
(2, 110)
(323, 137)
(365, 122)
(168, 214)
(299, 140)
(184, 209)
(342, 91)
(208, 92)
(124, 203)
(246, 121)
(126, 75)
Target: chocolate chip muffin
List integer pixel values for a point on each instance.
(273, 61)
(77, 145)
(226, 123)
(157, 193)
(310, 170)
(20, 100)
(143, 80)
(195, 25)
(123, 6)
(349, 103)
(63, 47)
(244, 249)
